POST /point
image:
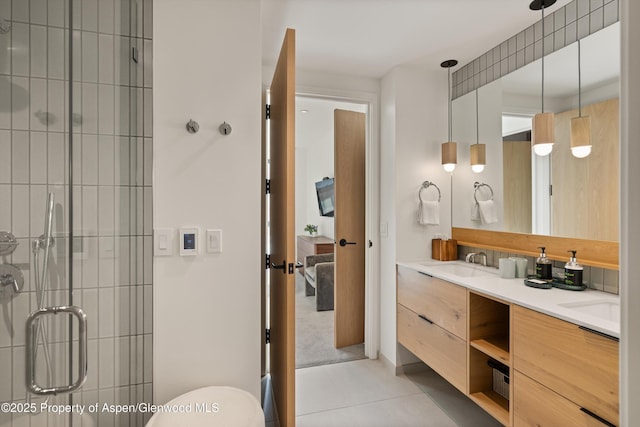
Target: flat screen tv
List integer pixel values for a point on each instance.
(326, 198)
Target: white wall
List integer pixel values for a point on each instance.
(630, 210)
(388, 216)
(413, 125)
(207, 308)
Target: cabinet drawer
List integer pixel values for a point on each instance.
(575, 363)
(535, 405)
(444, 352)
(443, 303)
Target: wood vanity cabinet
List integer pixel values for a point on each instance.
(560, 374)
(432, 323)
(537, 405)
(565, 375)
(489, 342)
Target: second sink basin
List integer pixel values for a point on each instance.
(608, 310)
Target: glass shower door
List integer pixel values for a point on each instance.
(75, 159)
(34, 213)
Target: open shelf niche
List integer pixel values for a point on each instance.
(489, 340)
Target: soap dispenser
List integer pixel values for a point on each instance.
(573, 271)
(543, 266)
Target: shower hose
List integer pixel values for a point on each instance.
(41, 276)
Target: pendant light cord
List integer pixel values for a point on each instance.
(477, 120)
(449, 99)
(579, 70)
(579, 84)
(542, 9)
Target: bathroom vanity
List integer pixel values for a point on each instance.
(560, 348)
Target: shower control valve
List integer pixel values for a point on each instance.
(11, 280)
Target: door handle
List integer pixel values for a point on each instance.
(31, 347)
(343, 242)
(423, 317)
(282, 266)
(602, 334)
(597, 417)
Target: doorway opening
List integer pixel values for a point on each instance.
(315, 158)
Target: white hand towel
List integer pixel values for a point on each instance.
(475, 212)
(488, 214)
(429, 213)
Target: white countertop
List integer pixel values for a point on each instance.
(547, 301)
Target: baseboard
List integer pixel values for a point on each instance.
(408, 368)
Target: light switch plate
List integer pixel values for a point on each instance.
(384, 229)
(164, 241)
(214, 241)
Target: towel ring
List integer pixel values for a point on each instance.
(476, 186)
(426, 185)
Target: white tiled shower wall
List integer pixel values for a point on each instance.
(111, 206)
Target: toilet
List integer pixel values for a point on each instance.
(210, 406)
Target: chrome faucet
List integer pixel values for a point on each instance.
(471, 257)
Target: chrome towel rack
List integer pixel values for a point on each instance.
(476, 187)
(426, 185)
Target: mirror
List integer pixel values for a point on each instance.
(559, 194)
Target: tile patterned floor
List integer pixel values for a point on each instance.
(365, 393)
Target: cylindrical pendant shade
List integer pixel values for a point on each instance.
(542, 134)
(478, 157)
(449, 155)
(581, 136)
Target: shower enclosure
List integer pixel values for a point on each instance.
(75, 212)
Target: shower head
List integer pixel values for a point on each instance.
(5, 26)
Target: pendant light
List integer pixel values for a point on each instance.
(478, 151)
(542, 137)
(449, 148)
(581, 125)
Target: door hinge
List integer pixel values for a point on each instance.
(267, 336)
(550, 190)
(267, 186)
(291, 270)
(268, 112)
(267, 259)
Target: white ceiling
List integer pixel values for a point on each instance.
(370, 37)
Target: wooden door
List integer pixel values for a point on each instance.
(349, 140)
(516, 167)
(282, 232)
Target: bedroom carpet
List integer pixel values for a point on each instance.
(314, 334)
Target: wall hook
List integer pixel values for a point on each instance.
(225, 128)
(192, 126)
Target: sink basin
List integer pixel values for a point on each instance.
(608, 310)
(462, 270)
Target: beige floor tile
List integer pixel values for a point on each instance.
(347, 384)
(317, 391)
(407, 411)
(456, 405)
